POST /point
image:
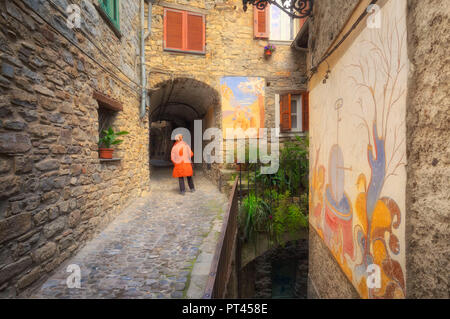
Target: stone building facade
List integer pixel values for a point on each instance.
(231, 50)
(58, 86)
(56, 193)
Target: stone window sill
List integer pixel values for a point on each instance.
(293, 134)
(184, 52)
(109, 160)
(281, 42)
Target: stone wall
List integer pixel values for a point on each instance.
(326, 279)
(55, 193)
(257, 276)
(322, 35)
(428, 118)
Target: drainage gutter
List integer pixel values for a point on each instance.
(144, 35)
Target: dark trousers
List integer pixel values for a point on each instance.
(190, 183)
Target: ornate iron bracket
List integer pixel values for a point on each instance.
(295, 8)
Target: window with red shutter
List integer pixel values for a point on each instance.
(294, 112)
(173, 29)
(285, 113)
(195, 32)
(184, 31)
(302, 21)
(261, 22)
(305, 112)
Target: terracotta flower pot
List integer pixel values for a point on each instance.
(106, 153)
(268, 53)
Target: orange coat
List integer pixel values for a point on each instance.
(181, 157)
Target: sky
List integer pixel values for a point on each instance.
(245, 89)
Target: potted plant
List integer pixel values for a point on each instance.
(109, 138)
(269, 49)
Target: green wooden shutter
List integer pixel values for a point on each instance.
(116, 10)
(112, 9)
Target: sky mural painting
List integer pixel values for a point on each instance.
(242, 104)
(358, 157)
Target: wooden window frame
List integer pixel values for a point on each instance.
(256, 33)
(110, 14)
(184, 28)
(112, 10)
(294, 27)
(285, 103)
(107, 102)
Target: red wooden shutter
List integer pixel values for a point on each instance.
(195, 32)
(173, 29)
(305, 111)
(302, 21)
(285, 113)
(261, 23)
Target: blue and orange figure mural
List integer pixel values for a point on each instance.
(357, 197)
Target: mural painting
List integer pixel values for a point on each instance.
(358, 156)
(242, 103)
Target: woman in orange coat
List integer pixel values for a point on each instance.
(181, 157)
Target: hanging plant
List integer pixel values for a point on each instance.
(269, 49)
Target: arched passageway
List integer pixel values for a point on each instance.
(178, 103)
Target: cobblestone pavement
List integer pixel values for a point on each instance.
(151, 248)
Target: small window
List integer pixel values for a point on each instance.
(282, 26)
(261, 22)
(274, 24)
(105, 119)
(294, 112)
(111, 8)
(296, 115)
(107, 111)
(184, 31)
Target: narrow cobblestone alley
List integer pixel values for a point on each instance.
(158, 247)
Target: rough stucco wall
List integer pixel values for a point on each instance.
(55, 193)
(428, 136)
(326, 279)
(330, 17)
(358, 182)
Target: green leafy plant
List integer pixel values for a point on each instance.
(287, 217)
(293, 169)
(254, 216)
(282, 203)
(111, 138)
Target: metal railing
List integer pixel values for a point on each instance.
(252, 182)
(225, 254)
